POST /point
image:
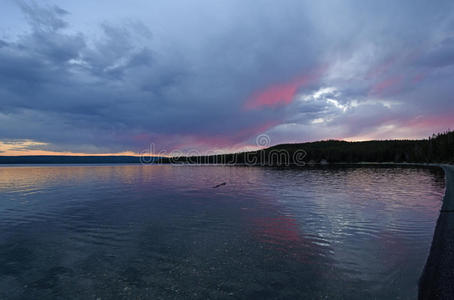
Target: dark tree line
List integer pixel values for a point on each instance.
(438, 148)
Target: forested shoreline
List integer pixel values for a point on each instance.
(439, 148)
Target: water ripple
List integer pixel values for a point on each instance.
(164, 232)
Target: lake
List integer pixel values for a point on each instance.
(164, 232)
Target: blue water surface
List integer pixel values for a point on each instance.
(164, 232)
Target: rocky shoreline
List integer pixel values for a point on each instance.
(437, 279)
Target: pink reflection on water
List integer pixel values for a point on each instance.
(283, 233)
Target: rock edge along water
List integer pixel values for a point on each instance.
(437, 279)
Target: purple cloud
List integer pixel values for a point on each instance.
(79, 78)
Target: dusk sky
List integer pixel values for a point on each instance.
(116, 76)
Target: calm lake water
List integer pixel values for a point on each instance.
(164, 232)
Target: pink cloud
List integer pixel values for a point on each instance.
(235, 140)
(281, 93)
(432, 123)
(385, 86)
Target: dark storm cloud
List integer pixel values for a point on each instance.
(43, 18)
(343, 69)
(108, 90)
(440, 55)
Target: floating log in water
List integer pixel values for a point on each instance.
(221, 184)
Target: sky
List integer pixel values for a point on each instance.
(124, 77)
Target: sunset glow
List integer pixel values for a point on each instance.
(81, 80)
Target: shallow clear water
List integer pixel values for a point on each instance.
(155, 232)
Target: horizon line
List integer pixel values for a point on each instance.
(17, 153)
